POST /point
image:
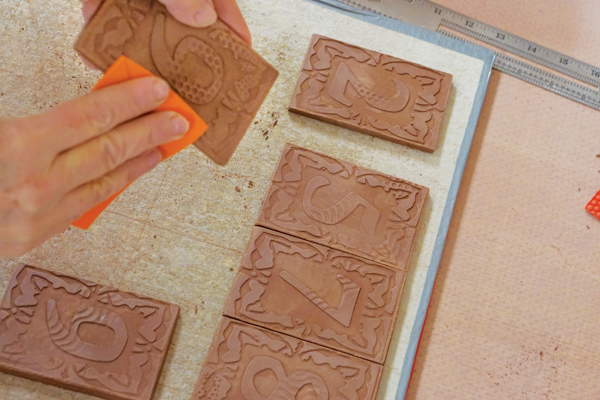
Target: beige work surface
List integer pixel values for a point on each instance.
(178, 234)
(515, 312)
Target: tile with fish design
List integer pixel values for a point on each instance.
(344, 206)
(212, 69)
(83, 336)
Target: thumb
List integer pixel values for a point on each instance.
(196, 13)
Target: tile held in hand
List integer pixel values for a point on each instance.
(372, 93)
(211, 68)
(83, 336)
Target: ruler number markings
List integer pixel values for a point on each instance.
(540, 77)
(503, 40)
(524, 48)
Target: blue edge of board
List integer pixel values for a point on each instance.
(481, 53)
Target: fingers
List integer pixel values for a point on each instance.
(24, 238)
(83, 198)
(105, 153)
(17, 243)
(203, 13)
(98, 112)
(196, 13)
(89, 8)
(230, 14)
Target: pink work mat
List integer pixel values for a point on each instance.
(515, 313)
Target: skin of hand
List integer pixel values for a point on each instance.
(57, 165)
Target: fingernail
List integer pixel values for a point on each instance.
(205, 16)
(179, 125)
(160, 90)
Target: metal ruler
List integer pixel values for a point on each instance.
(434, 17)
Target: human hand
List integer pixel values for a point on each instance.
(56, 166)
(196, 13)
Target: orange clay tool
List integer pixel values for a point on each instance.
(593, 206)
(123, 70)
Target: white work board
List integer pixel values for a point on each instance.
(178, 234)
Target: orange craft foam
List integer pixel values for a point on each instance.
(123, 70)
(593, 206)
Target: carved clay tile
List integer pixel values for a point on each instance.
(212, 69)
(372, 93)
(344, 206)
(317, 294)
(251, 363)
(78, 335)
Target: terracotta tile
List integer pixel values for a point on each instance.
(344, 206)
(218, 74)
(114, 346)
(317, 294)
(253, 363)
(390, 98)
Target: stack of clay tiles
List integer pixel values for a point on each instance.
(314, 305)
